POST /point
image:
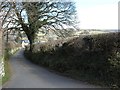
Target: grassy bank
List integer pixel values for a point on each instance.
(95, 58)
(8, 52)
(7, 72)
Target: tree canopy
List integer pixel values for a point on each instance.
(32, 16)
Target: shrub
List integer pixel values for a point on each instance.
(98, 58)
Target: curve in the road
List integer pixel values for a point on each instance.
(27, 75)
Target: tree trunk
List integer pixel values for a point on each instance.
(31, 40)
(30, 36)
(31, 46)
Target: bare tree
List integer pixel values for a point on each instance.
(5, 8)
(4, 12)
(32, 16)
(8, 19)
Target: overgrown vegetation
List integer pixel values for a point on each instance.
(94, 58)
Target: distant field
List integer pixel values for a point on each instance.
(91, 32)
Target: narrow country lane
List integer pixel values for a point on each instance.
(27, 75)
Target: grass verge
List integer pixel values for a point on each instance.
(7, 72)
(7, 66)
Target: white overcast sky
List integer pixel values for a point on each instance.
(97, 14)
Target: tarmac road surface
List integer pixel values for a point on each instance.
(28, 75)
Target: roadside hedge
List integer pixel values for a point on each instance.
(93, 58)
